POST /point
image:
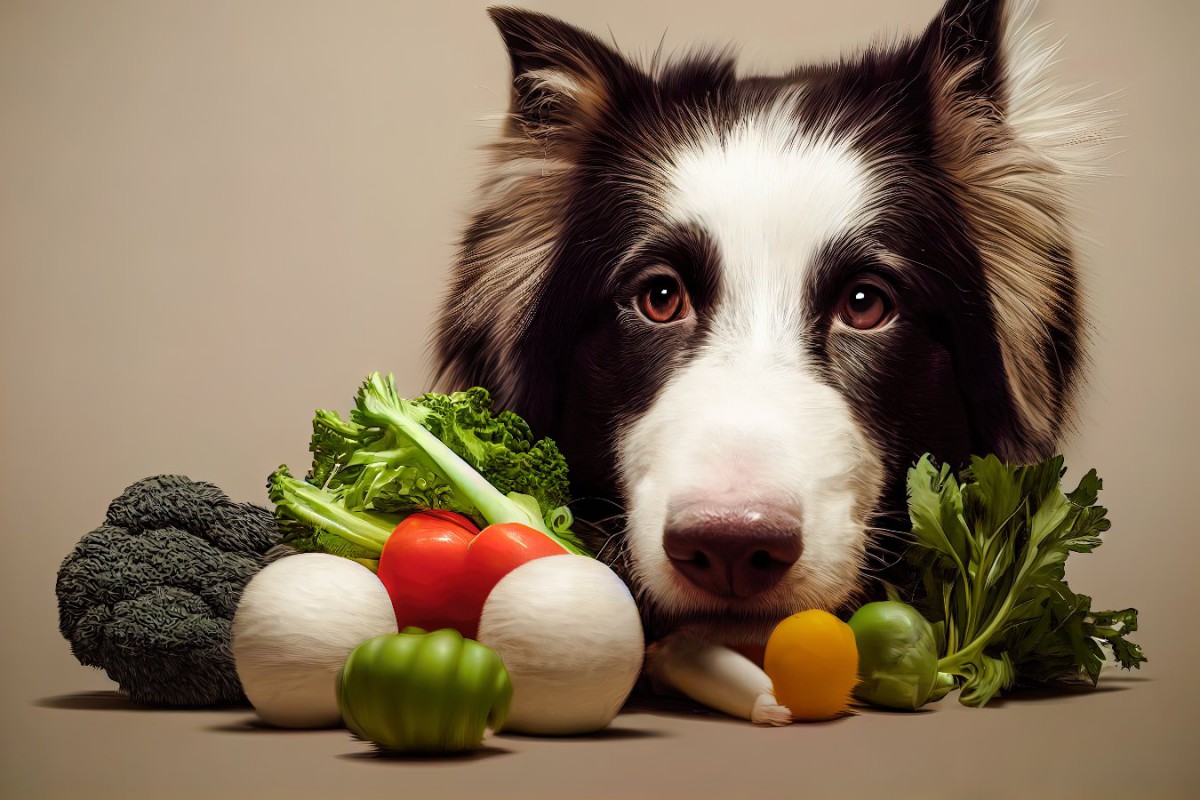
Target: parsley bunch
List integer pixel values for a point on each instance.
(991, 549)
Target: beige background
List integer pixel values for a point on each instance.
(216, 216)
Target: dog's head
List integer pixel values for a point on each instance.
(744, 304)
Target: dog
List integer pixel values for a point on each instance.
(743, 305)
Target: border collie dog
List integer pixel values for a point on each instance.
(744, 304)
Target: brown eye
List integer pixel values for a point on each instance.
(866, 306)
(663, 299)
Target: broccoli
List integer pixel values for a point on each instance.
(394, 456)
(149, 596)
(386, 474)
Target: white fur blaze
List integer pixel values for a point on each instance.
(747, 420)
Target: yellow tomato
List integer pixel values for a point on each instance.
(812, 659)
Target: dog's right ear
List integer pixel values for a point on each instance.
(561, 75)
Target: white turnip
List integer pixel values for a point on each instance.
(296, 622)
(571, 638)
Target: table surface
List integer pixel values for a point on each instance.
(1128, 738)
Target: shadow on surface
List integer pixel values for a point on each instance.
(865, 709)
(255, 725)
(645, 703)
(1019, 696)
(1053, 693)
(384, 757)
(804, 723)
(682, 708)
(115, 701)
(605, 735)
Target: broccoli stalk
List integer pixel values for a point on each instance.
(378, 405)
(400, 455)
(319, 510)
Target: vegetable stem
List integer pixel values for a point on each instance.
(320, 509)
(495, 507)
(379, 404)
(954, 661)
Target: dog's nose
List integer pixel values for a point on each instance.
(733, 553)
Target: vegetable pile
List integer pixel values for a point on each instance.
(442, 500)
(395, 456)
(448, 457)
(990, 548)
(435, 590)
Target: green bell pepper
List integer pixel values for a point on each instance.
(423, 692)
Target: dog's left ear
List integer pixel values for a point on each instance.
(963, 48)
(561, 76)
(563, 82)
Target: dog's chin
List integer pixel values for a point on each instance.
(733, 631)
(739, 622)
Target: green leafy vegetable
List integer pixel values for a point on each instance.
(395, 456)
(991, 553)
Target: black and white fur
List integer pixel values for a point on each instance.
(937, 167)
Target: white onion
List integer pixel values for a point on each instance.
(571, 638)
(297, 621)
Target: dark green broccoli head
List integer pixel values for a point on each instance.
(149, 596)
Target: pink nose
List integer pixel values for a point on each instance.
(733, 552)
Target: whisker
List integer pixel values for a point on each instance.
(620, 509)
(885, 534)
(603, 547)
(883, 564)
(602, 520)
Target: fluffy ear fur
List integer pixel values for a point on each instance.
(966, 40)
(1011, 144)
(562, 81)
(560, 74)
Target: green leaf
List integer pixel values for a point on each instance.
(324, 542)
(935, 507)
(1128, 654)
(332, 443)
(315, 520)
(1088, 490)
(992, 495)
(988, 677)
(1112, 628)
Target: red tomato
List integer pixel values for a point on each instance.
(439, 568)
(421, 566)
(494, 553)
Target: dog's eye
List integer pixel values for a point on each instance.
(866, 306)
(663, 299)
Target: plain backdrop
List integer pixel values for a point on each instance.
(218, 216)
